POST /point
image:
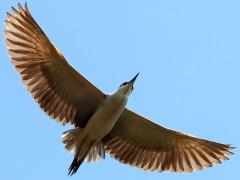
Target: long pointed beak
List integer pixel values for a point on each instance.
(134, 79)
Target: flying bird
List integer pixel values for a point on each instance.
(102, 123)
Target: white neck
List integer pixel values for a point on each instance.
(124, 91)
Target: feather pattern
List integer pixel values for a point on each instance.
(59, 89)
(67, 97)
(139, 142)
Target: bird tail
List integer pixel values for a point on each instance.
(82, 147)
(81, 152)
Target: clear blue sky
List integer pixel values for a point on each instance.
(188, 53)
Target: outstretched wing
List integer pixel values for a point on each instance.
(139, 142)
(59, 89)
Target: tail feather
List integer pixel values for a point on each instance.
(96, 153)
(80, 155)
(76, 163)
(74, 166)
(82, 147)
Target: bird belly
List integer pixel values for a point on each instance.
(102, 122)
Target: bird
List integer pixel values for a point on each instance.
(102, 124)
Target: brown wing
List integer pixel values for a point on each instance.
(139, 142)
(59, 89)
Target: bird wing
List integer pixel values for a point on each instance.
(139, 142)
(59, 89)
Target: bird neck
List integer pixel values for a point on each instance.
(123, 91)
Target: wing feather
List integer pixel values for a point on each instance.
(139, 142)
(59, 89)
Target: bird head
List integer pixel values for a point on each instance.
(127, 87)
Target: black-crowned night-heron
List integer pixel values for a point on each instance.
(102, 122)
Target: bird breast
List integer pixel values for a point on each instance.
(101, 123)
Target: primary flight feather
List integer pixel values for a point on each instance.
(101, 122)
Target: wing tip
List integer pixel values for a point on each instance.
(20, 7)
(6, 22)
(26, 6)
(8, 15)
(14, 10)
(6, 32)
(230, 148)
(20, 10)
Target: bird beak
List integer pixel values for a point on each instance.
(134, 79)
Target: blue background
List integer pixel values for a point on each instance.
(188, 53)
